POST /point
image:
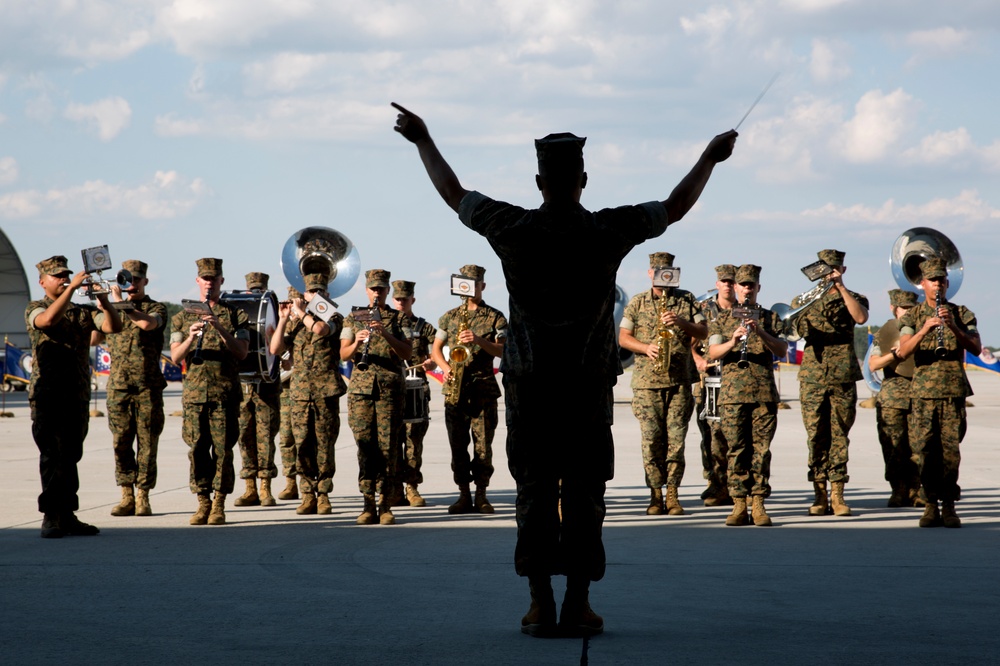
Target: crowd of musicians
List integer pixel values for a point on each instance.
(710, 357)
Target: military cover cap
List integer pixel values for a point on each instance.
(135, 267)
(831, 257)
(899, 298)
(316, 281)
(561, 145)
(257, 281)
(933, 268)
(747, 273)
(473, 272)
(53, 266)
(294, 293)
(725, 272)
(209, 267)
(661, 260)
(377, 277)
(402, 289)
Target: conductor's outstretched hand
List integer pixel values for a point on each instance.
(410, 125)
(721, 147)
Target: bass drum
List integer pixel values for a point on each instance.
(261, 309)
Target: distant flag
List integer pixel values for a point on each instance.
(985, 360)
(171, 371)
(16, 363)
(794, 354)
(102, 360)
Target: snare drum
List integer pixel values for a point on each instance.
(415, 400)
(711, 411)
(261, 309)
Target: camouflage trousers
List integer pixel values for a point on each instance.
(937, 427)
(316, 424)
(260, 419)
(135, 415)
(559, 449)
(894, 438)
(714, 450)
(286, 442)
(828, 413)
(210, 430)
(375, 421)
(664, 415)
(411, 451)
(59, 428)
(749, 429)
(471, 420)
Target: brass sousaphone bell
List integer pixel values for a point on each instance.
(321, 250)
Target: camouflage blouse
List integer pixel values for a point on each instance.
(420, 333)
(317, 361)
(642, 318)
(756, 382)
(218, 378)
(895, 391)
(828, 329)
(935, 377)
(135, 353)
(385, 368)
(488, 323)
(61, 352)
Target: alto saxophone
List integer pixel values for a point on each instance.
(458, 357)
(664, 338)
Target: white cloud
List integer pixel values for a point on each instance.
(712, 24)
(942, 147)
(940, 41)
(8, 170)
(109, 116)
(166, 195)
(828, 61)
(879, 123)
(968, 207)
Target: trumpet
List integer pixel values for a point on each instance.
(91, 287)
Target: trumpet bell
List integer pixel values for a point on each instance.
(321, 250)
(914, 246)
(124, 279)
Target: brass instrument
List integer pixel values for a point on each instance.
(664, 338)
(789, 314)
(458, 357)
(321, 250)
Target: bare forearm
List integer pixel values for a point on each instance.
(687, 192)
(441, 173)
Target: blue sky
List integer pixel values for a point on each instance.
(175, 129)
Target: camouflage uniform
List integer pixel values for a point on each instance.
(260, 419)
(59, 396)
(827, 384)
(135, 396)
(476, 408)
(663, 402)
(892, 411)
(748, 403)
(937, 393)
(714, 448)
(286, 441)
(375, 405)
(211, 400)
(316, 387)
(560, 364)
(420, 333)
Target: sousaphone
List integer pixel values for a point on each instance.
(321, 250)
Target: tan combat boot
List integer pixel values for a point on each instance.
(385, 516)
(369, 514)
(655, 507)
(948, 515)
(291, 491)
(250, 496)
(840, 507)
(931, 516)
(899, 496)
(576, 617)
(266, 498)
(480, 502)
(142, 507)
(413, 496)
(739, 515)
(127, 506)
(200, 516)
(398, 496)
(218, 513)
(671, 503)
(464, 502)
(309, 505)
(540, 620)
(760, 517)
(323, 504)
(821, 505)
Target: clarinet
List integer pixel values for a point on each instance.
(940, 351)
(744, 363)
(196, 358)
(362, 363)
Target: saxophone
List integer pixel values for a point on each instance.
(458, 357)
(664, 338)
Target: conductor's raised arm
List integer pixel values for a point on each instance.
(445, 181)
(686, 194)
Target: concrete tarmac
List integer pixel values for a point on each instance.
(274, 587)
